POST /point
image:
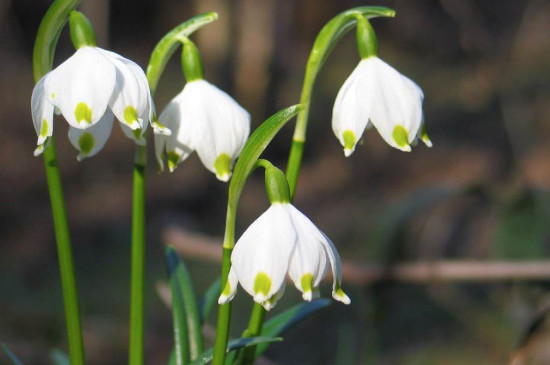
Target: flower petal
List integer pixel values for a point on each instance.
(81, 87)
(350, 115)
(330, 250)
(308, 263)
(222, 127)
(396, 103)
(131, 99)
(91, 140)
(261, 256)
(230, 288)
(178, 117)
(42, 114)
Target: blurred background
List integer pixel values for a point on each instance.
(445, 249)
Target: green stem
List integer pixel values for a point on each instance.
(136, 351)
(44, 48)
(224, 311)
(255, 325)
(65, 255)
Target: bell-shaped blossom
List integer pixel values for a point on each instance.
(377, 94)
(282, 240)
(89, 89)
(206, 119)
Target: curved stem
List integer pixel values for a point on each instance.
(44, 48)
(137, 307)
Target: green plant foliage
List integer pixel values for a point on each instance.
(11, 355)
(235, 345)
(209, 300)
(523, 227)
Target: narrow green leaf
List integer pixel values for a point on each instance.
(523, 227)
(285, 321)
(168, 44)
(252, 150)
(59, 357)
(209, 300)
(11, 355)
(179, 314)
(177, 267)
(235, 345)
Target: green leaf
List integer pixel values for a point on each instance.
(209, 300)
(11, 355)
(234, 345)
(523, 227)
(187, 320)
(285, 321)
(48, 33)
(252, 150)
(168, 44)
(59, 357)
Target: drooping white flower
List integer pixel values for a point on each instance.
(377, 94)
(88, 89)
(282, 240)
(206, 119)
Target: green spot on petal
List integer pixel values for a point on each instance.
(173, 159)
(307, 282)
(137, 133)
(262, 284)
(223, 167)
(130, 115)
(349, 142)
(82, 113)
(401, 136)
(227, 289)
(44, 128)
(86, 143)
(52, 95)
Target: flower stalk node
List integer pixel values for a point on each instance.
(367, 44)
(82, 31)
(191, 61)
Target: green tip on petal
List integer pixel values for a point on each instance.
(349, 142)
(270, 303)
(83, 114)
(306, 282)
(401, 137)
(85, 144)
(131, 117)
(424, 136)
(223, 167)
(173, 159)
(262, 285)
(160, 128)
(340, 296)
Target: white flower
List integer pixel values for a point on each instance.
(377, 94)
(282, 240)
(89, 89)
(206, 119)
